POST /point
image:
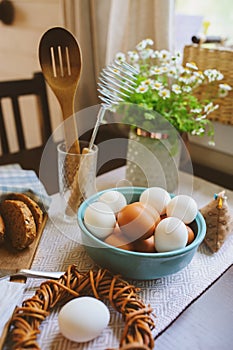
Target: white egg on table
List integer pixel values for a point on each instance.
(83, 319)
(114, 199)
(156, 197)
(99, 219)
(170, 234)
(183, 207)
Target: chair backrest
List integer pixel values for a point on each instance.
(28, 158)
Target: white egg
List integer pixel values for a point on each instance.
(156, 197)
(99, 219)
(183, 207)
(170, 234)
(114, 199)
(83, 319)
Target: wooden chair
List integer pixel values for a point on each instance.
(28, 158)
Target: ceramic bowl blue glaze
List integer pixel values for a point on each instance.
(137, 265)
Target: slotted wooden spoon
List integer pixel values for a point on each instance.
(61, 64)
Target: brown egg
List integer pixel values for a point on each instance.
(117, 239)
(144, 245)
(191, 235)
(153, 212)
(135, 221)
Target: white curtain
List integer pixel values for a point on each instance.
(105, 27)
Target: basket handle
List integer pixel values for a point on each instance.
(208, 39)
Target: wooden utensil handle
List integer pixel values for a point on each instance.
(76, 196)
(70, 127)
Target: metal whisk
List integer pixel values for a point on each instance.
(116, 81)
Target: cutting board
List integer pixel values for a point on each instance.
(14, 259)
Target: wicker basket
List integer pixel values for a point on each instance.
(219, 58)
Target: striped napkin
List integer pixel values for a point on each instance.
(15, 179)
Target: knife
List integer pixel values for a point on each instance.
(7, 273)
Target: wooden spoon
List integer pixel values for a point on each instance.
(61, 64)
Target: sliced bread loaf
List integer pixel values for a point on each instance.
(19, 222)
(32, 205)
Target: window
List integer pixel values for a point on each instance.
(219, 14)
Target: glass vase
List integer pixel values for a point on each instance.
(153, 158)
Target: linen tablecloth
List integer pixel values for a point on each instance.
(169, 296)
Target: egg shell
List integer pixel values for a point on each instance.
(117, 239)
(114, 199)
(135, 221)
(191, 235)
(99, 219)
(170, 234)
(83, 319)
(182, 207)
(156, 197)
(144, 245)
(153, 212)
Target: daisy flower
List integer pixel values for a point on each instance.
(156, 85)
(133, 56)
(165, 55)
(210, 107)
(147, 53)
(213, 75)
(156, 70)
(143, 44)
(148, 82)
(120, 56)
(142, 88)
(176, 89)
(164, 93)
(224, 90)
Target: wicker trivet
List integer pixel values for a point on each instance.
(25, 322)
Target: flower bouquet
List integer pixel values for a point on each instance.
(165, 105)
(167, 88)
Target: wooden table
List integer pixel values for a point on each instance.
(206, 322)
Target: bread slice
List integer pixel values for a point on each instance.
(2, 230)
(36, 211)
(19, 222)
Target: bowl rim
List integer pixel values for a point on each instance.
(200, 221)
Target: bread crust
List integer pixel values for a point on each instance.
(2, 230)
(19, 222)
(32, 205)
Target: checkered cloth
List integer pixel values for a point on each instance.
(15, 179)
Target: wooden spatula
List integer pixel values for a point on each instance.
(61, 64)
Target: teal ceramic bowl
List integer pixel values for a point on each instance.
(137, 265)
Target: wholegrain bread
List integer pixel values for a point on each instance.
(19, 223)
(2, 230)
(32, 205)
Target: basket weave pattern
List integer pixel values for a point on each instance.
(222, 60)
(101, 284)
